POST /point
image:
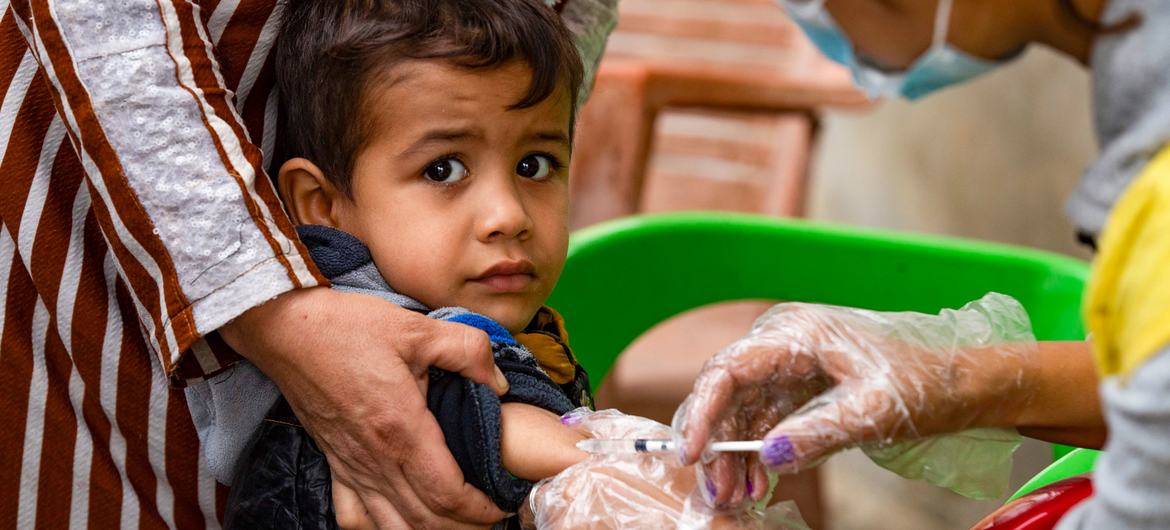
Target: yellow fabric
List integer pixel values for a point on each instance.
(1128, 304)
(547, 339)
(550, 355)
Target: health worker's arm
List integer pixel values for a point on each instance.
(1066, 405)
(814, 379)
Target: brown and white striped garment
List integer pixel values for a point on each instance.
(136, 219)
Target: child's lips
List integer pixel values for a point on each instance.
(508, 276)
(507, 283)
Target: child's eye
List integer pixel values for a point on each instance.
(446, 171)
(535, 167)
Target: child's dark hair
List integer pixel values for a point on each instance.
(329, 51)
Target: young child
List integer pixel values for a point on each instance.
(429, 144)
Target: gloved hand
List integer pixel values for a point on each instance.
(813, 379)
(637, 490)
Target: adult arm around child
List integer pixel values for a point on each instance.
(372, 424)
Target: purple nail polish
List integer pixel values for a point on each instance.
(778, 451)
(750, 488)
(569, 420)
(682, 451)
(711, 488)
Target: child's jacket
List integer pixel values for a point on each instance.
(283, 479)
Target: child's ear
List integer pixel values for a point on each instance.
(308, 196)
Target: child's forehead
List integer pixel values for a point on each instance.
(442, 78)
(443, 90)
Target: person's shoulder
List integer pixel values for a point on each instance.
(1128, 305)
(548, 341)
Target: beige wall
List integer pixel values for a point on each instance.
(993, 159)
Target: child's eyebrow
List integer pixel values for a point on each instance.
(550, 136)
(438, 136)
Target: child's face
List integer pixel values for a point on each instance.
(462, 201)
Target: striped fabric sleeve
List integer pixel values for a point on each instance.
(178, 188)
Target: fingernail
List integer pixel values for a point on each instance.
(711, 488)
(682, 452)
(501, 381)
(748, 486)
(777, 451)
(569, 420)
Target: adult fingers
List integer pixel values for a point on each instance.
(757, 411)
(730, 493)
(757, 478)
(841, 418)
(725, 474)
(705, 408)
(399, 504)
(743, 370)
(349, 510)
(714, 397)
(417, 484)
(361, 501)
(386, 515)
(435, 479)
(453, 347)
(768, 409)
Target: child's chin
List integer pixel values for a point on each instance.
(513, 320)
(513, 312)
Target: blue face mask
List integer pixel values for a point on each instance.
(942, 65)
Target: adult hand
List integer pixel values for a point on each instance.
(354, 370)
(813, 379)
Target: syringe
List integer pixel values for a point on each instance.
(643, 445)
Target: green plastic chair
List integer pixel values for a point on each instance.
(1076, 462)
(626, 276)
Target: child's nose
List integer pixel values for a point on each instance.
(503, 214)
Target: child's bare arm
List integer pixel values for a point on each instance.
(534, 444)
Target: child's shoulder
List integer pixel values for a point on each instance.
(547, 338)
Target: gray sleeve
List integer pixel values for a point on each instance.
(1132, 479)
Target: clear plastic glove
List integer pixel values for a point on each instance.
(636, 490)
(591, 22)
(812, 380)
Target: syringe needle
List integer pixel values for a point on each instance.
(626, 446)
(642, 445)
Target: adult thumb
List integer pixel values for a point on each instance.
(839, 419)
(457, 348)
